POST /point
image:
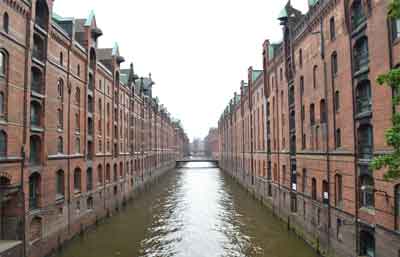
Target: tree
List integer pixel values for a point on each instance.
(392, 135)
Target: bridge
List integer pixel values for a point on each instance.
(180, 163)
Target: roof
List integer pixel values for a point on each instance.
(255, 74)
(104, 53)
(312, 2)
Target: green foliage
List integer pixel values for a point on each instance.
(391, 161)
(394, 9)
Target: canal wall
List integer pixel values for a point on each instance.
(79, 218)
(331, 233)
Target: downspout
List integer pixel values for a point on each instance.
(69, 139)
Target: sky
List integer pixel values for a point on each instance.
(197, 51)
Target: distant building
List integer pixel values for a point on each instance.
(211, 144)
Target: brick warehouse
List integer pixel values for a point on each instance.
(302, 131)
(86, 136)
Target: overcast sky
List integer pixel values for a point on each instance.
(198, 51)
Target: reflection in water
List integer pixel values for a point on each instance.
(193, 212)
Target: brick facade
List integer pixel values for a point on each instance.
(78, 134)
(303, 143)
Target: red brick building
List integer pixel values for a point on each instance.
(211, 144)
(324, 120)
(78, 134)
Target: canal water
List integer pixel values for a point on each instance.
(196, 211)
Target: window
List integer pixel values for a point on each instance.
(357, 14)
(314, 189)
(339, 235)
(6, 22)
(100, 174)
(60, 145)
(35, 150)
(77, 180)
(323, 111)
(338, 138)
(108, 173)
(39, 48)
(3, 64)
(36, 83)
(115, 172)
(60, 88)
(36, 110)
(78, 96)
(2, 104)
(77, 126)
(304, 181)
(42, 14)
(315, 72)
(89, 179)
(61, 59)
(334, 64)
(363, 97)
(332, 28)
(60, 117)
(78, 70)
(367, 244)
(3, 144)
(60, 185)
(367, 198)
(361, 55)
(365, 141)
(312, 114)
(395, 29)
(338, 190)
(34, 191)
(280, 74)
(77, 145)
(89, 203)
(304, 141)
(301, 58)
(325, 192)
(337, 100)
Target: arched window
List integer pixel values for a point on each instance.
(334, 64)
(338, 190)
(367, 244)
(77, 126)
(338, 138)
(60, 185)
(60, 89)
(357, 14)
(37, 80)
(365, 141)
(35, 150)
(60, 118)
(90, 104)
(89, 179)
(315, 72)
(363, 96)
(3, 144)
(115, 172)
(100, 174)
(42, 14)
(332, 29)
(60, 145)
(397, 203)
(367, 198)
(3, 64)
(337, 100)
(314, 189)
(34, 191)
(77, 180)
(108, 173)
(91, 82)
(6, 22)
(312, 114)
(361, 54)
(78, 96)
(35, 229)
(323, 112)
(77, 144)
(304, 181)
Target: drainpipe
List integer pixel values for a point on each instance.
(278, 144)
(69, 140)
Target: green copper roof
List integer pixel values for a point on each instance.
(255, 74)
(312, 2)
(283, 13)
(90, 18)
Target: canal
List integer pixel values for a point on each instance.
(192, 212)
